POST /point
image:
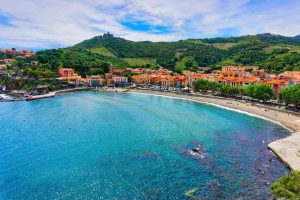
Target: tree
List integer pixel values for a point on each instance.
(214, 86)
(287, 187)
(188, 63)
(201, 85)
(291, 95)
(97, 71)
(263, 92)
(248, 91)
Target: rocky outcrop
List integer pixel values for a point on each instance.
(288, 149)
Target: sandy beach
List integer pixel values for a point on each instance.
(288, 149)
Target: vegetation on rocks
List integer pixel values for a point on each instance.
(287, 187)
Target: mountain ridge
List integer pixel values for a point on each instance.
(267, 50)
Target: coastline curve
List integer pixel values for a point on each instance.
(287, 149)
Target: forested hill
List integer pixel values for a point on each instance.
(273, 52)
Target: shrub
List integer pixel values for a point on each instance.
(287, 187)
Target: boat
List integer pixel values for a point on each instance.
(36, 97)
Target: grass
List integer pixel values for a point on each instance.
(140, 62)
(102, 50)
(290, 47)
(224, 46)
(228, 61)
(195, 41)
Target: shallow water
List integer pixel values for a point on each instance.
(128, 146)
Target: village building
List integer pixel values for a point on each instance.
(95, 80)
(162, 72)
(239, 68)
(117, 72)
(120, 80)
(179, 81)
(293, 77)
(238, 76)
(141, 79)
(277, 84)
(164, 80)
(27, 53)
(19, 53)
(68, 74)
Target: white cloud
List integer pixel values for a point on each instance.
(47, 23)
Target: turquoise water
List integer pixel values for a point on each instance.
(128, 146)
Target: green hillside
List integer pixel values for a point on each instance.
(274, 52)
(141, 62)
(102, 51)
(224, 46)
(93, 56)
(83, 61)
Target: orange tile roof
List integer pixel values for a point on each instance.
(277, 81)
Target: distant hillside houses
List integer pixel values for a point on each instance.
(18, 53)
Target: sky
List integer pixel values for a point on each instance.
(42, 24)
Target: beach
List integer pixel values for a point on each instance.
(288, 149)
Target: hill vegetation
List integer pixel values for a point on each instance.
(273, 52)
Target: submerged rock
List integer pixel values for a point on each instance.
(191, 193)
(197, 151)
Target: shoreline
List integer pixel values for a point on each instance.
(6, 97)
(219, 106)
(287, 149)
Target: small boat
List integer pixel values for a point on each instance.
(36, 97)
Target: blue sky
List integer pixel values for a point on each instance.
(41, 24)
